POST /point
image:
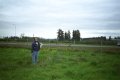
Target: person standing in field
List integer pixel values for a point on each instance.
(35, 50)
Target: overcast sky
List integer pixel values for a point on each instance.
(44, 17)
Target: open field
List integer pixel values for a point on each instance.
(61, 63)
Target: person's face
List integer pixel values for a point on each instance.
(35, 39)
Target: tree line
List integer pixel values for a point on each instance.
(66, 37)
(61, 35)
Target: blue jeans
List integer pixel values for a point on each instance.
(34, 57)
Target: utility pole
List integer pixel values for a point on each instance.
(33, 35)
(15, 30)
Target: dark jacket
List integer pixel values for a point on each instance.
(35, 46)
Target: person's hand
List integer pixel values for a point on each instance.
(31, 51)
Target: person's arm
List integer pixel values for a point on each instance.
(39, 46)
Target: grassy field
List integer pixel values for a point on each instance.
(61, 63)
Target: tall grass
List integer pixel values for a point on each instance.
(61, 63)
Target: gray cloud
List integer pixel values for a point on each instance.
(84, 15)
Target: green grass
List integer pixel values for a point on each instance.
(60, 63)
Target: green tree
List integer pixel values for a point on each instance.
(60, 35)
(76, 35)
(67, 35)
(110, 38)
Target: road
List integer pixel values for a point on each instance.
(23, 44)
